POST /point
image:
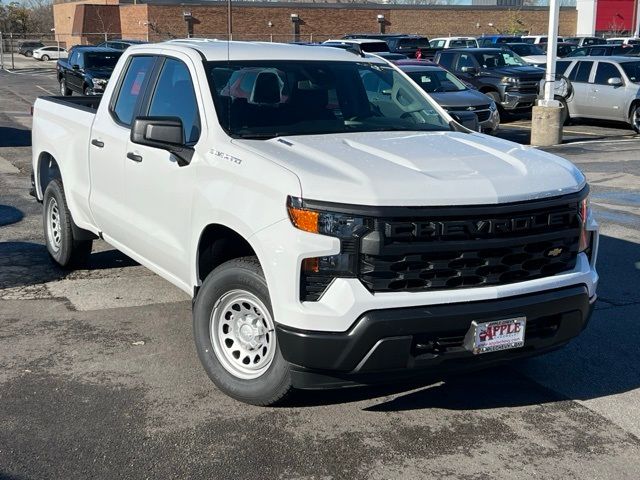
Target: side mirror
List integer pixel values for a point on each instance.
(165, 133)
(75, 66)
(615, 82)
(467, 119)
(469, 70)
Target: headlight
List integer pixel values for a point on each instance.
(99, 82)
(510, 80)
(317, 273)
(492, 106)
(584, 210)
(325, 223)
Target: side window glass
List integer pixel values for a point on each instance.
(580, 72)
(74, 59)
(446, 60)
(604, 72)
(561, 67)
(132, 86)
(175, 96)
(597, 51)
(465, 60)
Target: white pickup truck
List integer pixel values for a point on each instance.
(333, 224)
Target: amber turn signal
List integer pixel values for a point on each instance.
(306, 220)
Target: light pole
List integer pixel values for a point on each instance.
(546, 123)
(229, 22)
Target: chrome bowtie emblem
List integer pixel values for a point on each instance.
(554, 253)
(471, 108)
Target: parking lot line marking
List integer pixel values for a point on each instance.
(593, 142)
(45, 90)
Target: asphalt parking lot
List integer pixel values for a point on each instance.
(99, 377)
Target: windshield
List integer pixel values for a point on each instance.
(434, 81)
(632, 70)
(526, 49)
(101, 60)
(501, 59)
(414, 43)
(265, 99)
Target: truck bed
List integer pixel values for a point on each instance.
(87, 104)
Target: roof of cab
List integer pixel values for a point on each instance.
(220, 50)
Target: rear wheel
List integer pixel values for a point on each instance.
(63, 248)
(45, 58)
(565, 118)
(634, 118)
(86, 91)
(64, 90)
(235, 335)
(28, 53)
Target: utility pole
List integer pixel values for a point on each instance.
(546, 126)
(1, 51)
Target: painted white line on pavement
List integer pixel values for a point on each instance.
(7, 167)
(45, 90)
(592, 142)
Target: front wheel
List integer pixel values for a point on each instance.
(63, 248)
(235, 334)
(45, 58)
(635, 118)
(495, 96)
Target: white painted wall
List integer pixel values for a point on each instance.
(586, 17)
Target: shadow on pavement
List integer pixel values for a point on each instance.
(601, 362)
(9, 215)
(14, 137)
(26, 263)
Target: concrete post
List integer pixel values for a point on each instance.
(1, 51)
(546, 128)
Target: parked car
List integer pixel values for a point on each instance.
(120, 44)
(454, 42)
(538, 39)
(338, 237)
(562, 50)
(605, 50)
(27, 48)
(48, 53)
(623, 41)
(497, 72)
(585, 41)
(606, 88)
(360, 44)
(530, 53)
(452, 94)
(404, 44)
(497, 40)
(86, 70)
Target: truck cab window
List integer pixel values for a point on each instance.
(132, 85)
(174, 96)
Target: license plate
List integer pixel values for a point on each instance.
(496, 335)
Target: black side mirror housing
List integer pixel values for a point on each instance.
(75, 66)
(467, 119)
(469, 70)
(165, 133)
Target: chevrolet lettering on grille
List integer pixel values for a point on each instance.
(475, 228)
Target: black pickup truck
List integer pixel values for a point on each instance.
(498, 73)
(87, 70)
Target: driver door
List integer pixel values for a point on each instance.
(608, 101)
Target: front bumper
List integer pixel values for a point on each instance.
(518, 101)
(404, 343)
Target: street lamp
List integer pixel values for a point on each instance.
(381, 22)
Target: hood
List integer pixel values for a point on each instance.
(525, 71)
(418, 168)
(465, 98)
(536, 59)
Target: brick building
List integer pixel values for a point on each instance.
(88, 21)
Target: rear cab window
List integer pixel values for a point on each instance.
(132, 85)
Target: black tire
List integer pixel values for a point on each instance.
(495, 96)
(45, 58)
(64, 90)
(86, 91)
(239, 275)
(28, 53)
(565, 117)
(66, 251)
(634, 117)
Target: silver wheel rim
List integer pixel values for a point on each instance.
(635, 120)
(242, 334)
(54, 228)
(62, 87)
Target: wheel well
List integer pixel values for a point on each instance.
(47, 170)
(219, 244)
(633, 104)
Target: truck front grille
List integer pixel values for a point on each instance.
(468, 247)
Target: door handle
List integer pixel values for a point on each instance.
(135, 157)
(97, 143)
